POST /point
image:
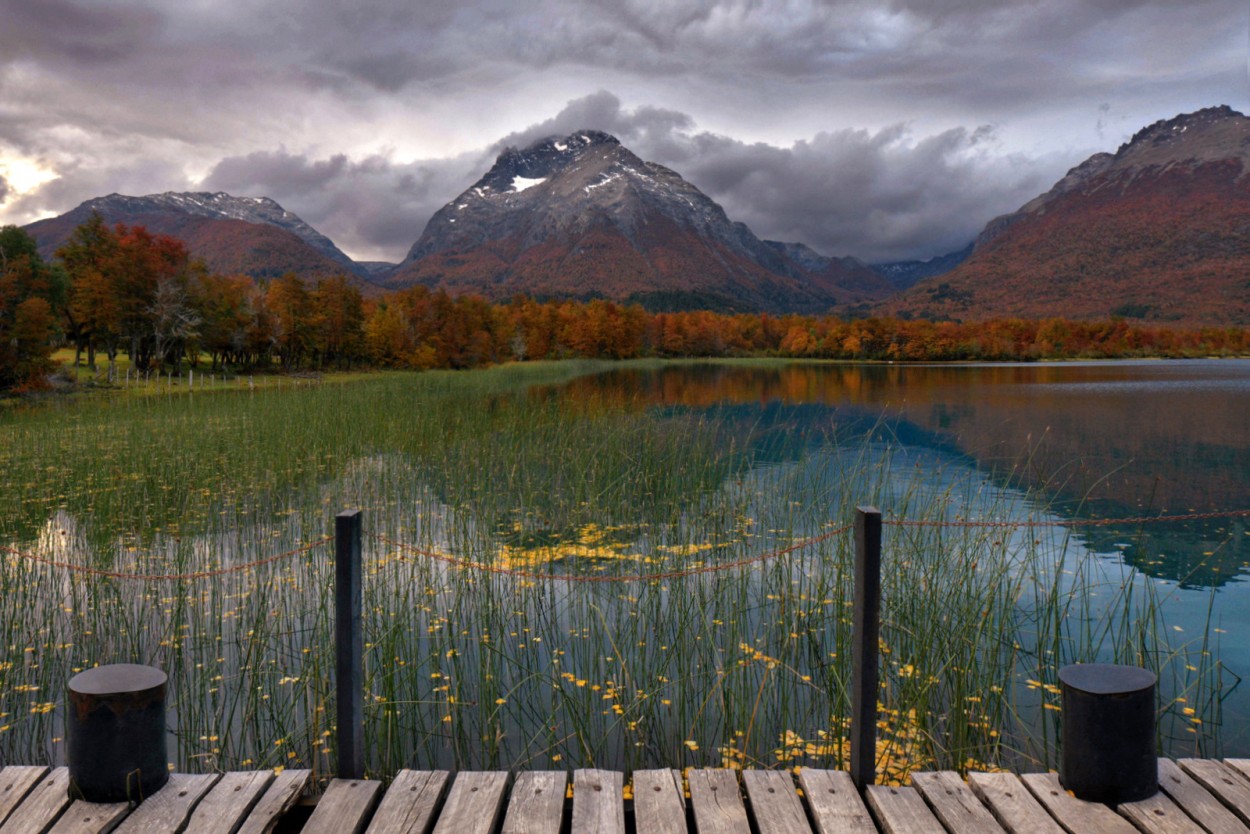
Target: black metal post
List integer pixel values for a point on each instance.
(1108, 734)
(865, 646)
(349, 646)
(115, 726)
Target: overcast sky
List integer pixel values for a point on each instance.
(884, 130)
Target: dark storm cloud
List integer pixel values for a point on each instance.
(77, 33)
(649, 126)
(877, 195)
(4, 189)
(138, 96)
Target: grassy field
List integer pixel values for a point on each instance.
(742, 666)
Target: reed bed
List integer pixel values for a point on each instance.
(745, 666)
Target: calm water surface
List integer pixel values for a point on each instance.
(1074, 442)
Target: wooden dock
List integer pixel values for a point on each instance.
(1198, 795)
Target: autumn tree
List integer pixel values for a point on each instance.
(290, 306)
(337, 321)
(29, 291)
(92, 314)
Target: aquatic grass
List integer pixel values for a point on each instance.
(468, 668)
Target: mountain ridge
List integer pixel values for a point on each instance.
(1158, 231)
(249, 235)
(580, 215)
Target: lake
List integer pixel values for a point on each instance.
(593, 564)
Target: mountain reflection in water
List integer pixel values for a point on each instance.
(1092, 440)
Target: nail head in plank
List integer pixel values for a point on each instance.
(345, 807)
(410, 802)
(229, 802)
(1222, 781)
(1196, 801)
(598, 802)
(954, 803)
(717, 805)
(1240, 766)
(1011, 803)
(42, 805)
(168, 809)
(15, 782)
(835, 804)
(1159, 815)
(90, 817)
(902, 811)
(775, 803)
(1075, 815)
(659, 802)
(276, 801)
(537, 803)
(474, 803)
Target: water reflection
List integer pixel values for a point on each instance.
(1096, 441)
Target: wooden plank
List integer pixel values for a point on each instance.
(167, 810)
(835, 804)
(1075, 815)
(717, 805)
(954, 803)
(15, 782)
(277, 799)
(1240, 766)
(410, 802)
(775, 803)
(598, 802)
(659, 802)
(1011, 803)
(43, 804)
(1196, 801)
(902, 811)
(84, 817)
(345, 807)
(1222, 781)
(229, 802)
(537, 803)
(474, 803)
(1159, 815)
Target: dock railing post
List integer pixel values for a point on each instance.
(865, 646)
(349, 646)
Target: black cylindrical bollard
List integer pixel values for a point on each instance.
(115, 730)
(1108, 738)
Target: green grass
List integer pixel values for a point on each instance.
(470, 669)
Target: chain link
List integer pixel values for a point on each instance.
(641, 577)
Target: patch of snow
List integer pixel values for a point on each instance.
(585, 138)
(522, 183)
(452, 220)
(602, 182)
(560, 146)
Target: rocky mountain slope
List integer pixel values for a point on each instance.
(249, 235)
(1159, 231)
(581, 216)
